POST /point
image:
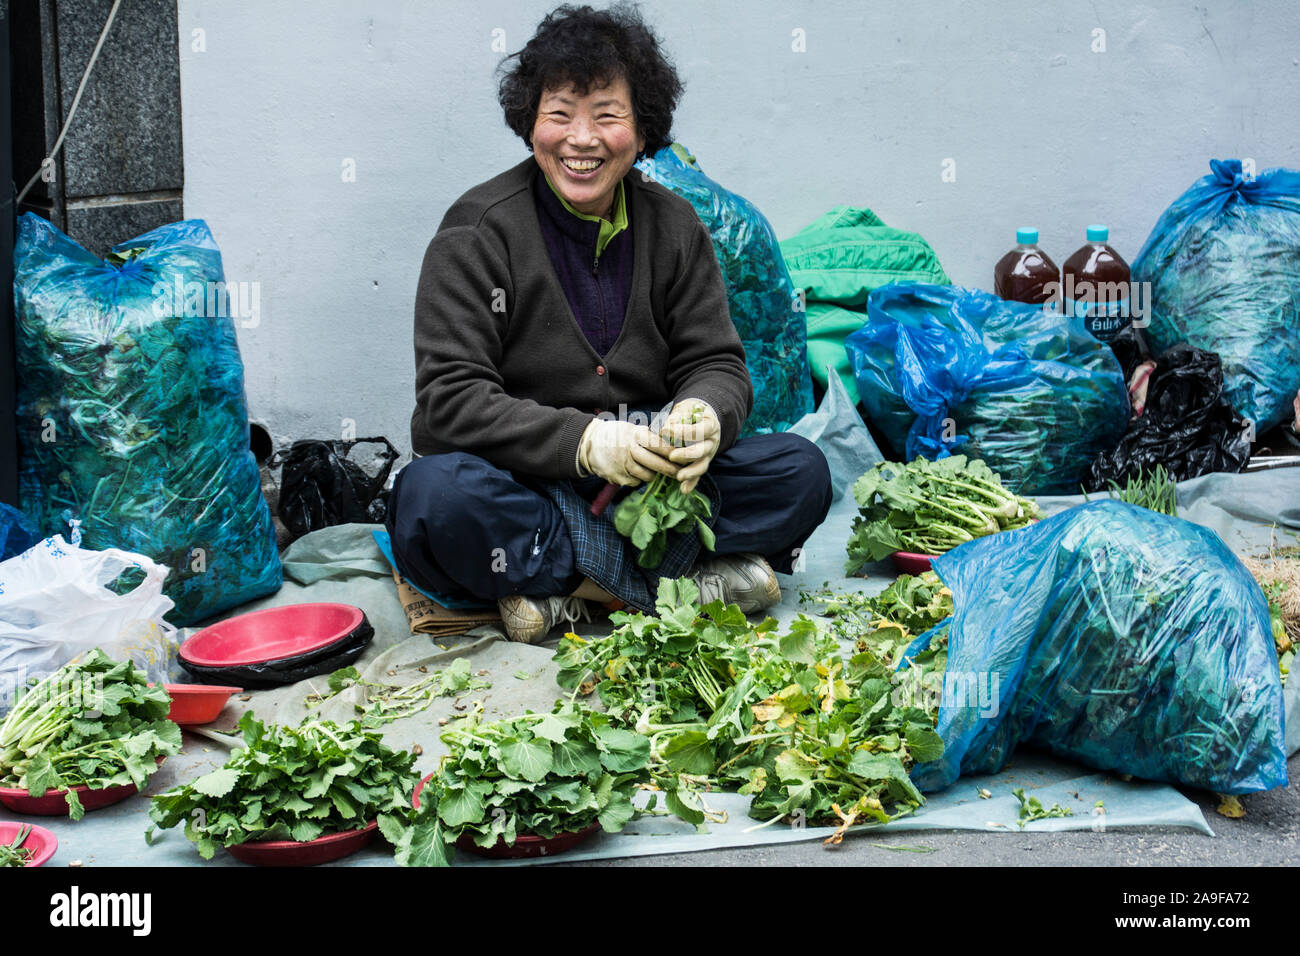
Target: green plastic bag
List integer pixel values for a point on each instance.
(837, 261)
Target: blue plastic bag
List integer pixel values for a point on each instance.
(943, 370)
(16, 532)
(1116, 636)
(131, 410)
(1224, 267)
(761, 297)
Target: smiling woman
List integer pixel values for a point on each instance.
(561, 305)
(586, 144)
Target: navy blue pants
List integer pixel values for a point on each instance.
(468, 529)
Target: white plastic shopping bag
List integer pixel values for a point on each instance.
(55, 605)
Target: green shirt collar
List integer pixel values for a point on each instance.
(608, 229)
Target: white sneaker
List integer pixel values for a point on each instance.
(743, 579)
(529, 619)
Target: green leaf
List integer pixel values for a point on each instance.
(800, 643)
(872, 766)
(690, 752)
(622, 751)
(707, 537)
(423, 844)
(305, 830)
(554, 727)
(795, 767)
(462, 805)
(343, 678)
(923, 743)
(528, 759)
(41, 776)
(644, 530)
(392, 827)
(691, 812)
(576, 758)
(614, 816)
(218, 783)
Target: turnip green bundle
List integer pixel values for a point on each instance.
(768, 317)
(131, 410)
(1224, 267)
(1032, 393)
(1116, 636)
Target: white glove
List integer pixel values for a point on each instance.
(623, 453)
(693, 426)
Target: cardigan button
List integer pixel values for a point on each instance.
(600, 370)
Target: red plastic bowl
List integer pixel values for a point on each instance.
(273, 634)
(908, 562)
(41, 841)
(323, 849)
(525, 846)
(197, 704)
(52, 804)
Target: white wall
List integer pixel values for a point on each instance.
(1043, 131)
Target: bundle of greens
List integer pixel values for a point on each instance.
(538, 774)
(15, 854)
(290, 783)
(929, 507)
(93, 723)
(649, 513)
(888, 622)
(1155, 490)
(387, 702)
(785, 717)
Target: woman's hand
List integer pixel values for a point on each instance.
(693, 426)
(623, 453)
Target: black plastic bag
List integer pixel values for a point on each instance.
(1187, 425)
(321, 487)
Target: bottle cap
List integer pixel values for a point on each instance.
(1025, 236)
(1098, 233)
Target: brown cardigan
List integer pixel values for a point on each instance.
(502, 369)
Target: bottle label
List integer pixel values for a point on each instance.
(1103, 319)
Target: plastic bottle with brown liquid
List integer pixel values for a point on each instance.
(1026, 274)
(1095, 286)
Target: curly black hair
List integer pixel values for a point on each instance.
(588, 48)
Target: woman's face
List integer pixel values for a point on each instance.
(586, 144)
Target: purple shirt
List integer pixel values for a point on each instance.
(598, 288)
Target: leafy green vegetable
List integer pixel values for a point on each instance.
(930, 507)
(15, 854)
(539, 774)
(888, 622)
(808, 730)
(388, 702)
(1031, 808)
(94, 723)
(290, 783)
(649, 513)
(1156, 490)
